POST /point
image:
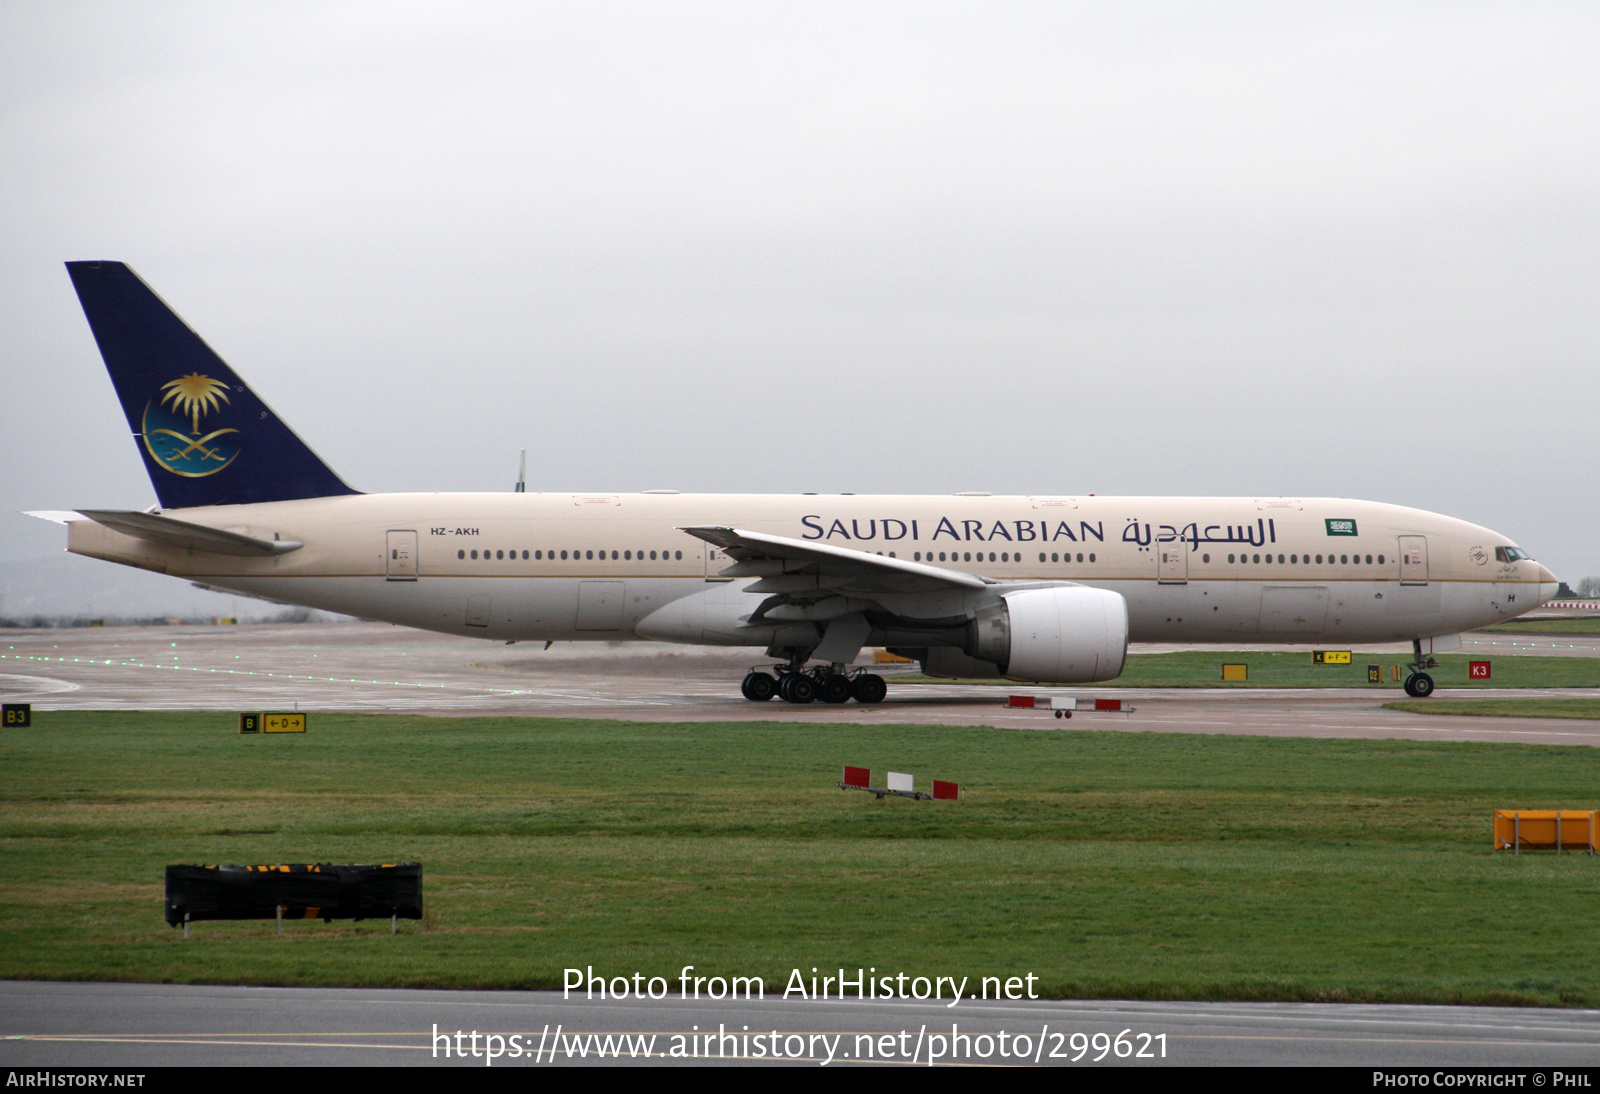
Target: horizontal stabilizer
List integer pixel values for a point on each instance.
(195, 537)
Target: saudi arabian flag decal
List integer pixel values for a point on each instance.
(1338, 527)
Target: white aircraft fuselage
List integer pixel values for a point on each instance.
(561, 567)
(1045, 588)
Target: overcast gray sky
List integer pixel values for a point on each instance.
(1204, 248)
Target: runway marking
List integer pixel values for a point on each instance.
(50, 685)
(476, 690)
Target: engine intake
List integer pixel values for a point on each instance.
(1063, 635)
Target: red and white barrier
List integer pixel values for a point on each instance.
(1064, 705)
(897, 784)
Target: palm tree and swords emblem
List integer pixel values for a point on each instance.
(191, 453)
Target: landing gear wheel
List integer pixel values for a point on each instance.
(797, 688)
(1419, 685)
(834, 688)
(758, 687)
(868, 688)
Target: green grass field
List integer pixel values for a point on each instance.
(1203, 669)
(1504, 708)
(1108, 864)
(1547, 626)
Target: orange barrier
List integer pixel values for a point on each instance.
(1547, 830)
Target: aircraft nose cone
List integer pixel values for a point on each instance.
(1548, 585)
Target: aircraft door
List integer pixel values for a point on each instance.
(1413, 560)
(400, 560)
(1172, 563)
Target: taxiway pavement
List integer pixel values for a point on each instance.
(378, 668)
(130, 1026)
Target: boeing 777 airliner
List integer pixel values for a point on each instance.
(1047, 588)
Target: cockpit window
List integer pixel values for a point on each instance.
(1510, 554)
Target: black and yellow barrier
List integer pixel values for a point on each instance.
(321, 891)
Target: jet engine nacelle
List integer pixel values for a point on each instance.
(1062, 635)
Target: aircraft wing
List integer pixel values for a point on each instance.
(796, 566)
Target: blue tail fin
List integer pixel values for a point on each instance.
(206, 438)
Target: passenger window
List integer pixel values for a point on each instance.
(941, 556)
(1230, 558)
(461, 554)
(1319, 560)
(1205, 558)
(677, 554)
(1080, 558)
(1369, 560)
(500, 554)
(1380, 560)
(1257, 558)
(1344, 560)
(474, 554)
(613, 556)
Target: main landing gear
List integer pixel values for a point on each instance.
(1419, 685)
(793, 684)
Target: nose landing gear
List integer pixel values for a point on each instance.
(1419, 685)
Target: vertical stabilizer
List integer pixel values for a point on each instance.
(205, 437)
